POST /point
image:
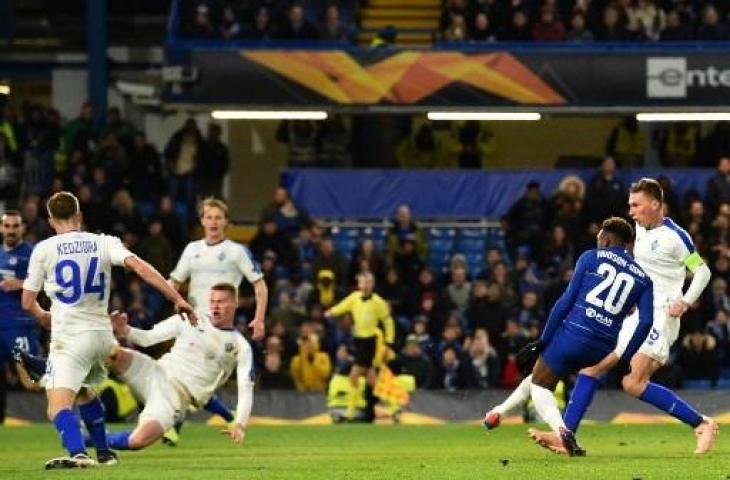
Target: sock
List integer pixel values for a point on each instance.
(119, 440)
(581, 396)
(216, 405)
(667, 400)
(519, 395)
(547, 406)
(69, 428)
(93, 415)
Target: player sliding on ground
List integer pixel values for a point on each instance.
(584, 324)
(200, 361)
(665, 251)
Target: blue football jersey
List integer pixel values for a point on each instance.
(607, 284)
(14, 264)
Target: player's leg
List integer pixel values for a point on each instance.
(584, 389)
(66, 372)
(518, 397)
(637, 383)
(217, 406)
(355, 373)
(147, 432)
(544, 381)
(93, 414)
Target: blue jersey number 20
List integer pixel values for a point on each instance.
(68, 276)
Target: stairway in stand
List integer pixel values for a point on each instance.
(415, 20)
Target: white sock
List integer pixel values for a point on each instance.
(547, 406)
(520, 395)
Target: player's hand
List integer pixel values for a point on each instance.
(119, 323)
(678, 308)
(10, 284)
(44, 319)
(259, 329)
(236, 432)
(181, 306)
(529, 353)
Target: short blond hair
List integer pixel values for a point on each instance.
(211, 202)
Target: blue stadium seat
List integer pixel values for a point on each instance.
(697, 384)
(378, 236)
(345, 239)
(471, 240)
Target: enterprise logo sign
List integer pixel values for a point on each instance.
(669, 77)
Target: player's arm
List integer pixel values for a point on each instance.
(386, 320)
(341, 308)
(646, 319)
(700, 278)
(165, 330)
(245, 379)
(567, 299)
(149, 274)
(261, 293)
(31, 286)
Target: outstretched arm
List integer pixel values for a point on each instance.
(149, 274)
(165, 330)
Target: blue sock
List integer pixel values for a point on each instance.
(581, 396)
(216, 405)
(119, 440)
(69, 428)
(93, 415)
(667, 400)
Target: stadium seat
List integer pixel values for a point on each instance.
(346, 239)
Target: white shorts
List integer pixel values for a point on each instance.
(663, 334)
(163, 403)
(78, 360)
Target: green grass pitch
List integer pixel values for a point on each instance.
(384, 452)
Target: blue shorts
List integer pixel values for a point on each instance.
(568, 352)
(24, 338)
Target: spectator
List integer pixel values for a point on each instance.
(289, 217)
(366, 254)
(710, 28)
(80, 133)
(458, 291)
(452, 372)
(145, 170)
(565, 206)
(172, 227)
(230, 28)
(183, 154)
(412, 361)
(549, 28)
(500, 276)
(606, 195)
(119, 127)
(486, 311)
(202, 26)
(484, 361)
(611, 29)
(94, 215)
(519, 29)
(651, 19)
(720, 329)
(456, 31)
(269, 238)
(627, 143)
(325, 292)
(393, 290)
(675, 30)
(718, 187)
(214, 164)
(681, 144)
(405, 228)
(558, 253)
(273, 376)
(329, 259)
(334, 140)
(36, 227)
(477, 143)
(697, 221)
(698, 357)
(333, 29)
(262, 28)
(482, 30)
(310, 368)
(124, 221)
(578, 30)
(531, 314)
(526, 218)
(297, 28)
(156, 249)
(407, 262)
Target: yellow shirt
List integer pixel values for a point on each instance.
(366, 315)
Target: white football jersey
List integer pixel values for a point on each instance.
(661, 252)
(205, 265)
(74, 269)
(203, 356)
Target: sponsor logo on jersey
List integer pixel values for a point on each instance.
(221, 256)
(599, 317)
(654, 245)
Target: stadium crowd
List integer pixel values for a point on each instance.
(455, 329)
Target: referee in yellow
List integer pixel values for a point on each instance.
(369, 311)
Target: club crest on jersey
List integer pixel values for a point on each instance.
(12, 261)
(229, 347)
(221, 256)
(654, 245)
